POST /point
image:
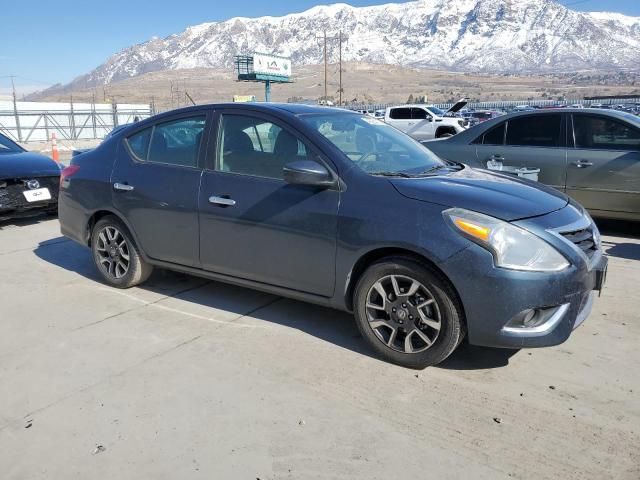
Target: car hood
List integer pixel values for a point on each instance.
(27, 164)
(498, 195)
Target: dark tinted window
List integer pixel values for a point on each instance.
(139, 143)
(253, 146)
(400, 113)
(418, 114)
(604, 134)
(177, 142)
(535, 131)
(495, 136)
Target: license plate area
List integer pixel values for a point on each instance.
(38, 195)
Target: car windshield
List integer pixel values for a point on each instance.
(374, 146)
(436, 111)
(8, 146)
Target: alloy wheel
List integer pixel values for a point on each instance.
(113, 252)
(403, 314)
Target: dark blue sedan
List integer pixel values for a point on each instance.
(28, 181)
(336, 208)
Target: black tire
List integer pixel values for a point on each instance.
(137, 271)
(445, 304)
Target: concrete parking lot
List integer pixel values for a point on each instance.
(186, 378)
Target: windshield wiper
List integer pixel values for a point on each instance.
(435, 168)
(391, 174)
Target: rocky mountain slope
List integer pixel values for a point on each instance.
(465, 35)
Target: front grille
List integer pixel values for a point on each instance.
(11, 196)
(584, 239)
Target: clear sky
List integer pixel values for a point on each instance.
(44, 42)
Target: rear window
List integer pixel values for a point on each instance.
(495, 136)
(8, 146)
(535, 131)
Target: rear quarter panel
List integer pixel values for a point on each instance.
(87, 191)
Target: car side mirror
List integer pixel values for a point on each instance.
(307, 172)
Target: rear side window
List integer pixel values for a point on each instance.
(600, 133)
(495, 136)
(400, 113)
(139, 143)
(177, 142)
(535, 131)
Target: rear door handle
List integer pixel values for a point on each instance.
(583, 163)
(497, 157)
(123, 187)
(222, 201)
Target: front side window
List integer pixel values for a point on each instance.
(400, 113)
(600, 133)
(535, 131)
(372, 145)
(419, 114)
(253, 146)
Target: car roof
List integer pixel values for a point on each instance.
(292, 108)
(543, 111)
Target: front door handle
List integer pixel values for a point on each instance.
(222, 201)
(122, 187)
(583, 163)
(497, 157)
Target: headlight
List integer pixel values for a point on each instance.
(512, 247)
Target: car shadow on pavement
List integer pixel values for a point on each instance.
(620, 229)
(25, 221)
(330, 325)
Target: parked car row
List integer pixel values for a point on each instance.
(28, 181)
(591, 154)
(321, 204)
(424, 122)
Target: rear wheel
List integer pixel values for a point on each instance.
(116, 255)
(408, 313)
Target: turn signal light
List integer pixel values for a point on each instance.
(472, 229)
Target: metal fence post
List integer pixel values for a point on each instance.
(114, 109)
(72, 122)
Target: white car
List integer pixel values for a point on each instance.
(424, 122)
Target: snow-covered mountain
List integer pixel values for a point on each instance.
(465, 35)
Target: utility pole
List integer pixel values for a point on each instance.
(340, 66)
(325, 67)
(15, 110)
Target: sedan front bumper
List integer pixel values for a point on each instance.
(493, 297)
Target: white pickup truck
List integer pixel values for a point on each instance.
(424, 122)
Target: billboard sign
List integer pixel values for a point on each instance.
(265, 64)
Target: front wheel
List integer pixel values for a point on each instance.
(408, 313)
(116, 255)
